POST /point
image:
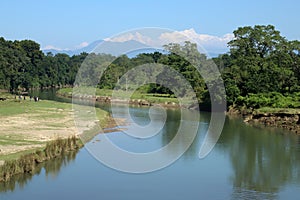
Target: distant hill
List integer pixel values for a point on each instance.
(101, 46)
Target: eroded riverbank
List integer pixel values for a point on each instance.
(288, 119)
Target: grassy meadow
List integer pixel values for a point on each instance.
(27, 126)
(150, 97)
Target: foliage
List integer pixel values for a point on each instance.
(24, 66)
(272, 99)
(260, 63)
(261, 69)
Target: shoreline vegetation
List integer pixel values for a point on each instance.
(33, 132)
(286, 116)
(271, 109)
(138, 98)
(28, 162)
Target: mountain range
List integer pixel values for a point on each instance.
(137, 40)
(101, 46)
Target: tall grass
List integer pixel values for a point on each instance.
(27, 163)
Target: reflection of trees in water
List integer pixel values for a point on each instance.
(51, 168)
(193, 151)
(262, 161)
(172, 126)
(242, 193)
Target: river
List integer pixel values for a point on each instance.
(246, 163)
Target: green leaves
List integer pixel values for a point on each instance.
(261, 61)
(271, 99)
(24, 66)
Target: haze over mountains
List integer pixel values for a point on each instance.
(124, 43)
(101, 46)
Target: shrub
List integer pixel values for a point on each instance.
(272, 99)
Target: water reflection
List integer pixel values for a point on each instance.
(50, 168)
(171, 128)
(263, 161)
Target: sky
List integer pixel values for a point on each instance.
(69, 24)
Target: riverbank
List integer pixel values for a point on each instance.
(137, 98)
(285, 118)
(27, 126)
(32, 132)
(29, 162)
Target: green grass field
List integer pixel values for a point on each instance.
(27, 125)
(150, 97)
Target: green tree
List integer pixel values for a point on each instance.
(260, 61)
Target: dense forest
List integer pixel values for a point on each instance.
(262, 68)
(23, 66)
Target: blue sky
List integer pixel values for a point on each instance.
(65, 24)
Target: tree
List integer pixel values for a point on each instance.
(260, 60)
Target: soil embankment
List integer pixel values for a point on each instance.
(288, 119)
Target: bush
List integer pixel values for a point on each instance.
(272, 99)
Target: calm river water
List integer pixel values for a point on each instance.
(246, 163)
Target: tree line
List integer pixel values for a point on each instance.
(23, 66)
(262, 68)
